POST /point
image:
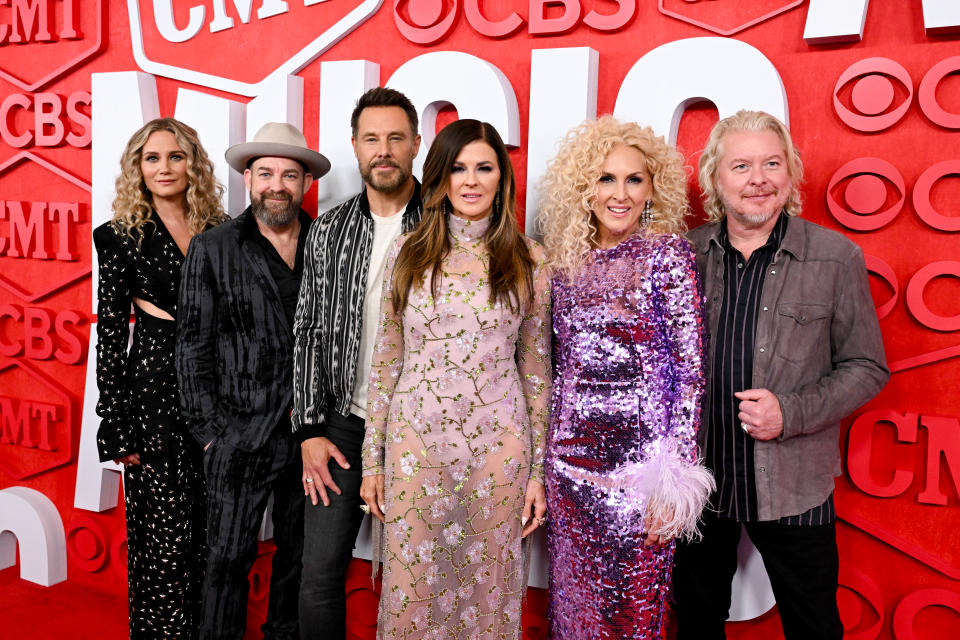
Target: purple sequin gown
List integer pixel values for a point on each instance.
(628, 378)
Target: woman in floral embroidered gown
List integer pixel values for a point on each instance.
(622, 474)
(453, 453)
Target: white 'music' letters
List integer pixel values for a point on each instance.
(941, 16)
(341, 85)
(664, 82)
(474, 86)
(563, 93)
(31, 519)
(220, 123)
(829, 21)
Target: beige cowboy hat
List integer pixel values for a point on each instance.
(281, 140)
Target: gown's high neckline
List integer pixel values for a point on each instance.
(464, 230)
(600, 252)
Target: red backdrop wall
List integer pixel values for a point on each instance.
(877, 119)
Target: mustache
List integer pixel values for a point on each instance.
(276, 195)
(383, 163)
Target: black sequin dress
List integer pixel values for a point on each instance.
(139, 409)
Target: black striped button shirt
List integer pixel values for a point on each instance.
(329, 319)
(729, 449)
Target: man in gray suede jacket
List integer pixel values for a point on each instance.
(794, 347)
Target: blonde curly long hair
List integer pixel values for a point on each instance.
(569, 188)
(133, 204)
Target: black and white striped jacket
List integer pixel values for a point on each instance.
(329, 318)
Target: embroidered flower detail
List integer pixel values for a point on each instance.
(453, 534)
(408, 463)
(420, 618)
(398, 599)
(447, 600)
(475, 552)
(469, 616)
(425, 550)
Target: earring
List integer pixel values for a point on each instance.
(646, 216)
(496, 203)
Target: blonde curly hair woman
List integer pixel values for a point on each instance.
(166, 194)
(623, 480)
(134, 202)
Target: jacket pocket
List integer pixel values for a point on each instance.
(803, 330)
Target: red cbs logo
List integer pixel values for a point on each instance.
(874, 94)
(429, 21)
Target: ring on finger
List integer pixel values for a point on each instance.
(365, 508)
(308, 480)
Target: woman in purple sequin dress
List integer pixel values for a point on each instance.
(623, 479)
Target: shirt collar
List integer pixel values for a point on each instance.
(775, 241)
(250, 231)
(413, 204)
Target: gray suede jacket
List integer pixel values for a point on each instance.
(817, 347)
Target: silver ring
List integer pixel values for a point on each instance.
(365, 508)
(743, 425)
(308, 480)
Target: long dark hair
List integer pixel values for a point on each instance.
(511, 266)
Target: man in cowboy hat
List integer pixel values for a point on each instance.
(238, 297)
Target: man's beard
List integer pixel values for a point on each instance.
(752, 219)
(758, 219)
(272, 218)
(384, 184)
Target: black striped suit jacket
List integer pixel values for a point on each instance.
(330, 310)
(234, 341)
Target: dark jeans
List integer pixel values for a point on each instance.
(802, 563)
(239, 484)
(329, 534)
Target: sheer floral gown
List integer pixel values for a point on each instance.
(459, 394)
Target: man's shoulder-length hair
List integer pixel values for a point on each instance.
(744, 120)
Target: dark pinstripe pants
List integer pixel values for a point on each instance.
(238, 486)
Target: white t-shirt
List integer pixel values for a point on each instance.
(385, 231)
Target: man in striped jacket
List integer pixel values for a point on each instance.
(335, 329)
